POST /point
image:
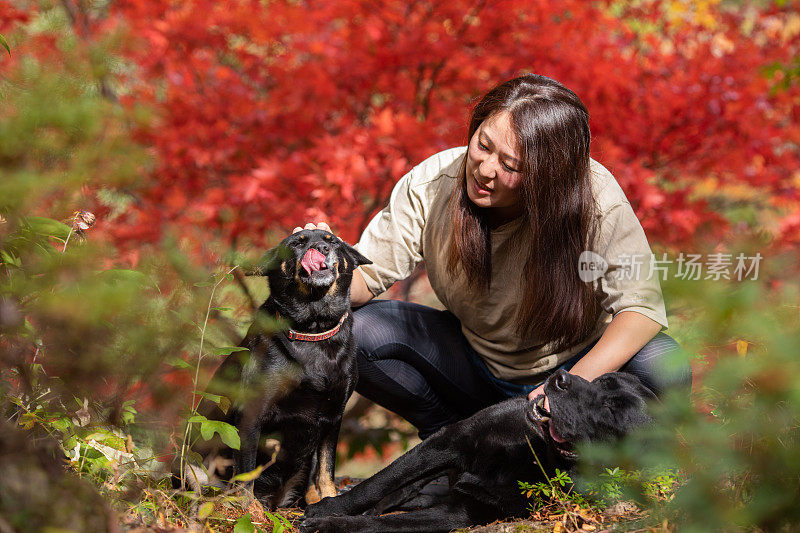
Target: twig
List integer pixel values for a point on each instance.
(239, 277)
(72, 227)
(552, 486)
(195, 396)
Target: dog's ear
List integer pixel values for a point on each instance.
(636, 384)
(355, 256)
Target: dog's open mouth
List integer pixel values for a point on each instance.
(544, 419)
(313, 270)
(313, 261)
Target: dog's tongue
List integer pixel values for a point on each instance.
(556, 436)
(313, 260)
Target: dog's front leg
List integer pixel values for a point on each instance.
(249, 423)
(434, 455)
(440, 519)
(256, 413)
(321, 483)
(246, 457)
(312, 494)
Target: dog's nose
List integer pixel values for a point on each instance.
(562, 380)
(323, 247)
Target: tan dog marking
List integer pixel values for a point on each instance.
(324, 480)
(312, 496)
(305, 289)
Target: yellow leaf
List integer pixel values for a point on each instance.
(205, 510)
(741, 347)
(676, 9)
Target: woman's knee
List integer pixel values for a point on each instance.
(400, 388)
(397, 327)
(662, 365)
(373, 326)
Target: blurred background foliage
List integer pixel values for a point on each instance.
(736, 444)
(84, 345)
(191, 130)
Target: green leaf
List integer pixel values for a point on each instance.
(27, 420)
(196, 419)
(177, 362)
(224, 404)
(69, 443)
(210, 396)
(101, 436)
(61, 424)
(4, 43)
(227, 350)
(285, 522)
(205, 510)
(228, 433)
(277, 527)
(222, 401)
(196, 458)
(244, 525)
(123, 275)
(47, 227)
(10, 259)
(246, 477)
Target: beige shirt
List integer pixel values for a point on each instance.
(415, 226)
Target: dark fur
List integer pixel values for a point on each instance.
(484, 456)
(293, 390)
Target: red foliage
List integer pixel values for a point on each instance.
(10, 15)
(271, 114)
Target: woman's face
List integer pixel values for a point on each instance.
(494, 168)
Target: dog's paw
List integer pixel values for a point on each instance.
(324, 507)
(324, 525)
(311, 525)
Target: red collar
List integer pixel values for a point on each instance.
(314, 337)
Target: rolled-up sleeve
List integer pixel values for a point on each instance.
(630, 282)
(393, 238)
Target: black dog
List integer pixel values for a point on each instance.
(485, 455)
(292, 384)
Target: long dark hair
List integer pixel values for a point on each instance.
(552, 131)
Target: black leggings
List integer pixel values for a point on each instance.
(414, 361)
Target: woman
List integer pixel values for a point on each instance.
(501, 225)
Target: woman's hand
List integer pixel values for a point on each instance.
(623, 338)
(359, 293)
(311, 225)
(627, 333)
